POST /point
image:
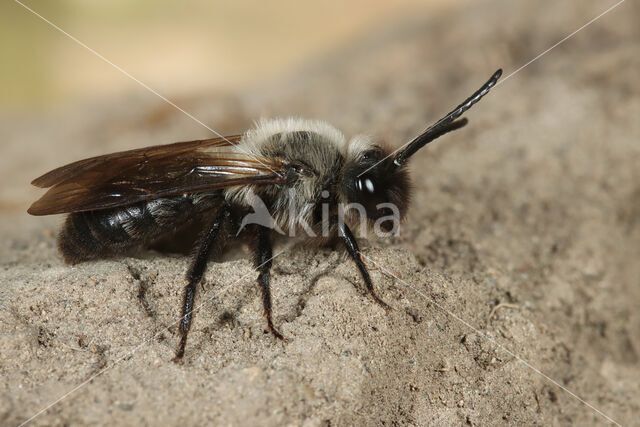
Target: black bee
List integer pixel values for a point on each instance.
(302, 171)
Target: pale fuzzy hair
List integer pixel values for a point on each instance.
(265, 128)
(254, 142)
(358, 145)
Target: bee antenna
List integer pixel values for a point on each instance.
(446, 124)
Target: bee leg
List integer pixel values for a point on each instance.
(263, 255)
(209, 244)
(351, 244)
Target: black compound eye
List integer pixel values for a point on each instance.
(365, 184)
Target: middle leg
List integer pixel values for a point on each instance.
(263, 254)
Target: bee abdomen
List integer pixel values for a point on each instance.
(94, 234)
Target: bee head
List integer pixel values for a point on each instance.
(378, 180)
(373, 183)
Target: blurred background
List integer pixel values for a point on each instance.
(171, 46)
(535, 203)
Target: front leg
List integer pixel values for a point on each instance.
(210, 242)
(351, 244)
(263, 254)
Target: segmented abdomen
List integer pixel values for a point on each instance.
(94, 234)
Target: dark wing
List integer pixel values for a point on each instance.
(124, 159)
(133, 176)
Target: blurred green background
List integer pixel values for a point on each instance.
(174, 47)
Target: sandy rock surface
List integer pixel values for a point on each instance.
(520, 252)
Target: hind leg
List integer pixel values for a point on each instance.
(211, 242)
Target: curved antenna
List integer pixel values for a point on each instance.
(446, 124)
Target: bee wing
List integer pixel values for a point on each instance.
(129, 177)
(129, 158)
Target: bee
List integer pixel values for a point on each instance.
(302, 171)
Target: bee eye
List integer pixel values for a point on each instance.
(365, 184)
